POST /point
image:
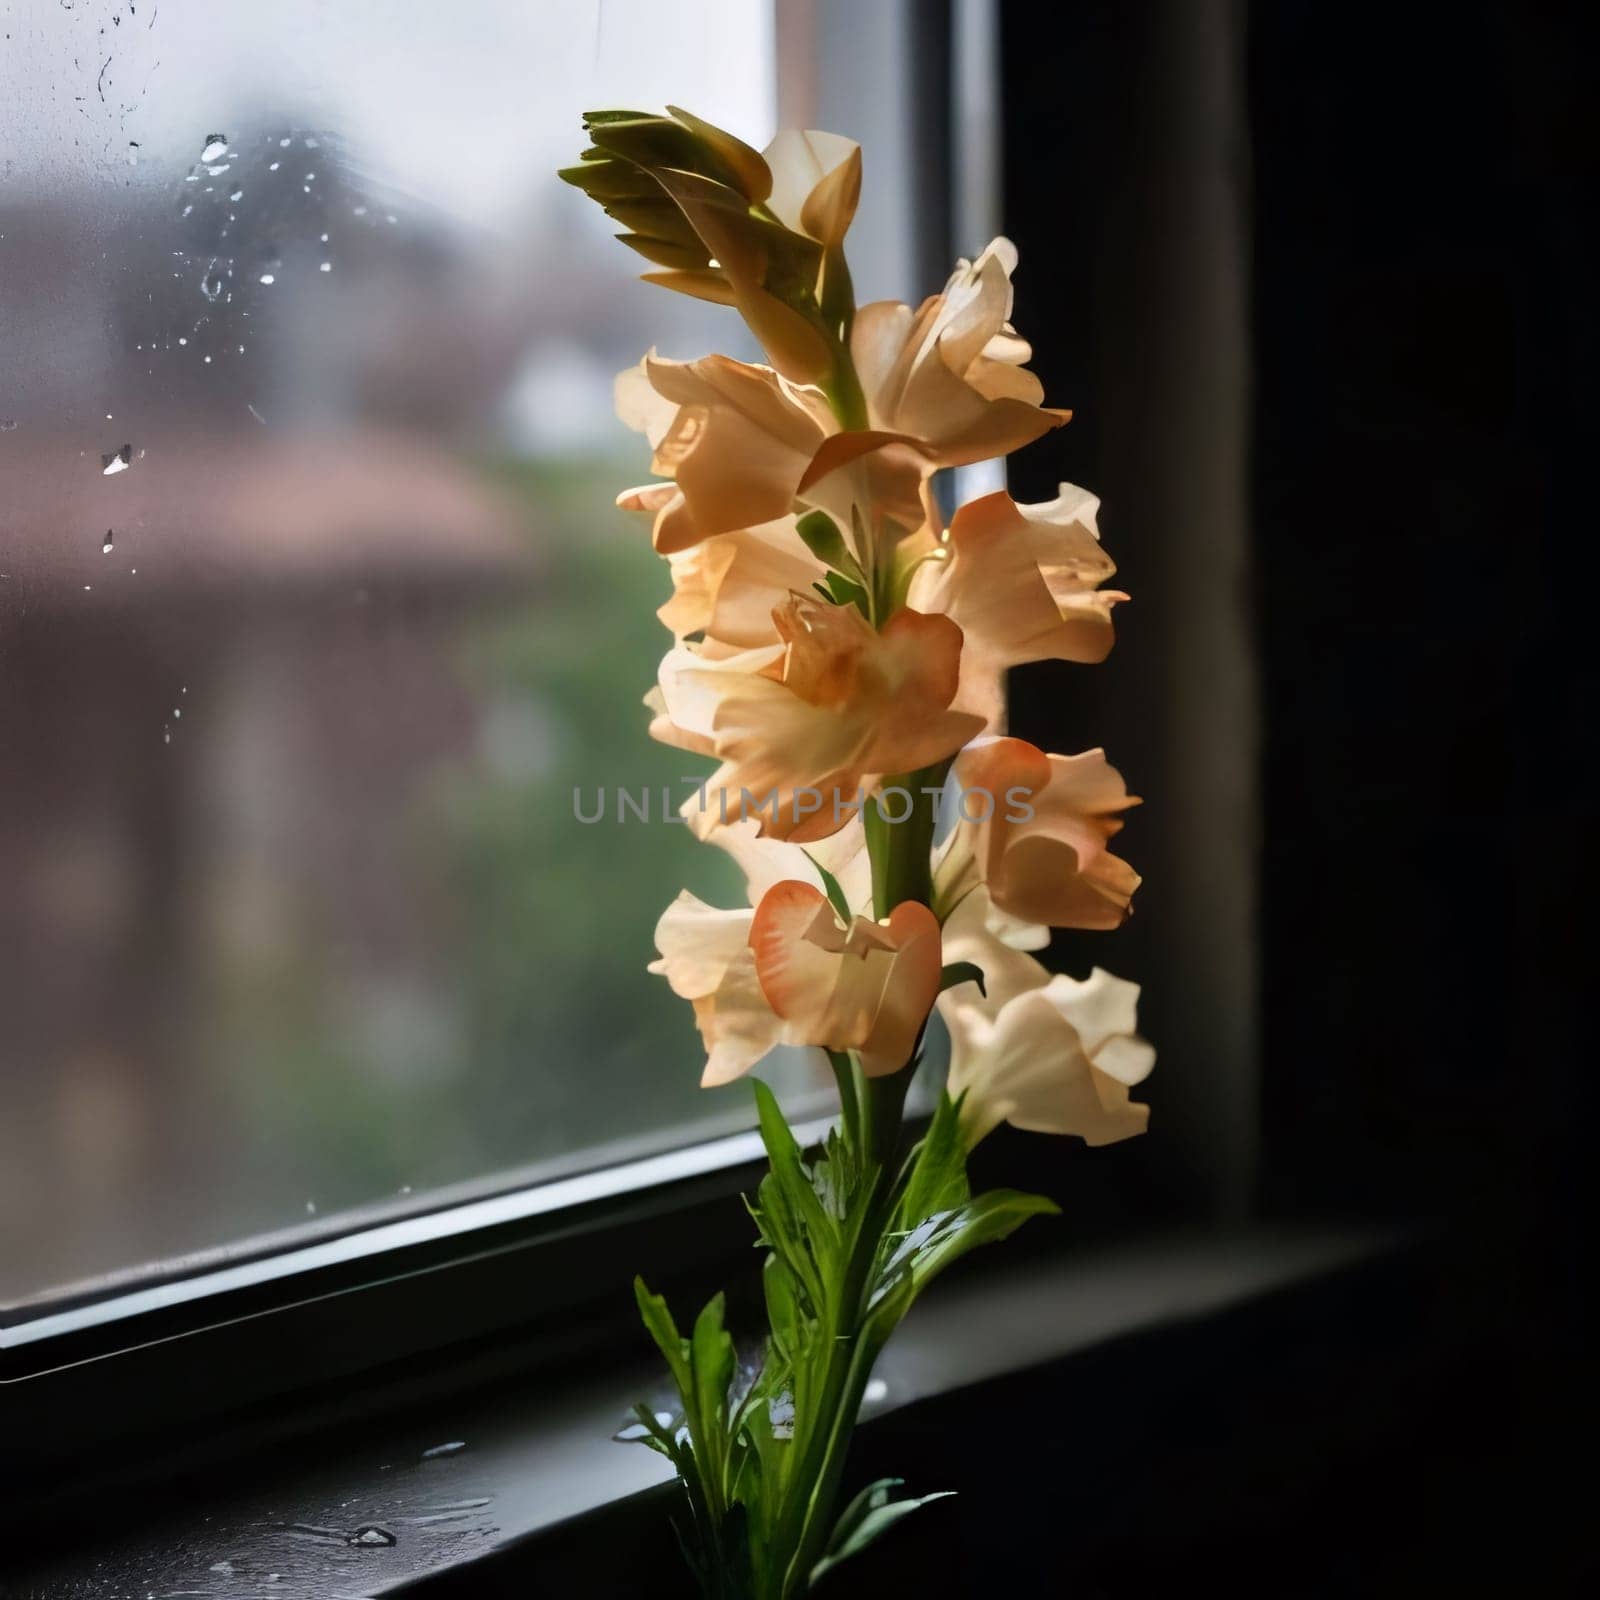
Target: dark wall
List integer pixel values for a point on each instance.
(1420, 336)
(1425, 331)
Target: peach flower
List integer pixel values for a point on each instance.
(744, 446)
(1047, 1054)
(1034, 828)
(803, 726)
(726, 588)
(866, 987)
(1022, 581)
(791, 972)
(816, 182)
(951, 373)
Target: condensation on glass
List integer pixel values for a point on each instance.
(314, 613)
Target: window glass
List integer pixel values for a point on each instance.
(314, 615)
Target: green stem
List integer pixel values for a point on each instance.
(846, 1075)
(846, 397)
(900, 842)
(816, 1476)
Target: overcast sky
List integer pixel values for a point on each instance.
(464, 106)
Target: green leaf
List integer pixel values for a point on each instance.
(712, 1358)
(651, 1433)
(670, 253)
(783, 1306)
(962, 972)
(867, 1518)
(824, 540)
(835, 893)
(844, 591)
(790, 1175)
(948, 1236)
(595, 118)
(658, 1320)
(938, 1180)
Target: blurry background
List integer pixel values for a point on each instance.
(314, 611)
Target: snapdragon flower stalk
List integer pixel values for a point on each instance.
(841, 654)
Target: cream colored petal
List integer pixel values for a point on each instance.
(945, 373)
(870, 476)
(727, 587)
(977, 306)
(765, 862)
(1099, 1007)
(692, 688)
(1028, 1064)
(736, 1024)
(740, 442)
(879, 341)
(977, 932)
(651, 497)
(698, 943)
(640, 407)
(799, 161)
(831, 206)
(705, 957)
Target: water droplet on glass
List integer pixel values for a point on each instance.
(323, 237)
(311, 144)
(268, 277)
(445, 1449)
(358, 211)
(221, 1566)
(283, 144)
(372, 1538)
(182, 340)
(875, 1391)
(107, 547)
(211, 285)
(327, 266)
(176, 712)
(216, 147)
(311, 1208)
(217, 172)
(237, 195)
(116, 461)
(8, 424)
(272, 166)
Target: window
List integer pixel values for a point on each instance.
(315, 618)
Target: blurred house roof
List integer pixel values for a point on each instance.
(254, 511)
